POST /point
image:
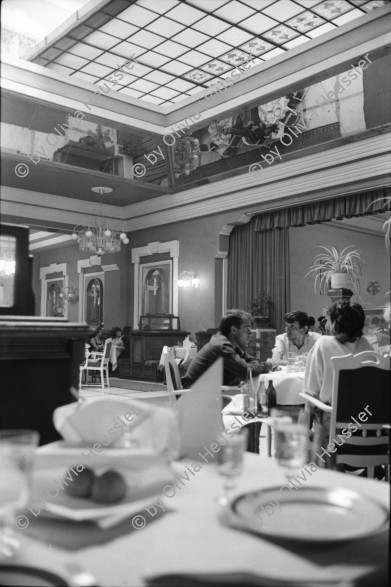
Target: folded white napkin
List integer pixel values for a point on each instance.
(235, 406)
(117, 422)
(199, 412)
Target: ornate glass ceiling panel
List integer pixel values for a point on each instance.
(182, 46)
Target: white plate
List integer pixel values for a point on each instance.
(310, 514)
(145, 473)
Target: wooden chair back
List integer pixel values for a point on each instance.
(361, 399)
(173, 378)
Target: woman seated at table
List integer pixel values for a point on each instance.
(297, 338)
(96, 343)
(346, 323)
(116, 335)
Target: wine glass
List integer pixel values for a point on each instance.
(17, 448)
(291, 432)
(292, 357)
(230, 462)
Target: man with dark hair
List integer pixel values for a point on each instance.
(297, 337)
(229, 343)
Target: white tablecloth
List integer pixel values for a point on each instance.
(287, 386)
(188, 536)
(183, 357)
(115, 352)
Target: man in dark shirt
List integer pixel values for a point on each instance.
(229, 343)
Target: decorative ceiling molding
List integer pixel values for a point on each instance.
(350, 168)
(361, 150)
(243, 219)
(307, 188)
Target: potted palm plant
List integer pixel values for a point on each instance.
(260, 309)
(334, 270)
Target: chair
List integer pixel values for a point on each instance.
(360, 382)
(171, 369)
(97, 362)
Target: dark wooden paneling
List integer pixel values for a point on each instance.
(39, 361)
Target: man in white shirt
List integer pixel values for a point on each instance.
(297, 337)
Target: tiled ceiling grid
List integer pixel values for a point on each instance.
(184, 46)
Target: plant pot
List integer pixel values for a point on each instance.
(261, 321)
(339, 281)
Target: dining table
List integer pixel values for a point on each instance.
(116, 350)
(183, 356)
(185, 530)
(288, 385)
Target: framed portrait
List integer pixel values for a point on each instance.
(155, 288)
(54, 301)
(94, 300)
(374, 321)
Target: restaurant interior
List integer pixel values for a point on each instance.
(164, 162)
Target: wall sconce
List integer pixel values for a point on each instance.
(188, 279)
(69, 294)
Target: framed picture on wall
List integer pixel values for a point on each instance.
(94, 301)
(374, 321)
(155, 288)
(54, 301)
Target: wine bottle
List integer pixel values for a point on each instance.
(271, 397)
(247, 389)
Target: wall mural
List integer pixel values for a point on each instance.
(308, 116)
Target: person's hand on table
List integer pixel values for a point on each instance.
(274, 365)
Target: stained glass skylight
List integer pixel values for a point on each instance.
(181, 47)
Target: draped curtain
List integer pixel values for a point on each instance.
(259, 251)
(362, 204)
(257, 261)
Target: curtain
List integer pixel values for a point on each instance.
(258, 258)
(257, 261)
(361, 204)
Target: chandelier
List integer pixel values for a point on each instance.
(100, 238)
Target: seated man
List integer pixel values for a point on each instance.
(229, 343)
(297, 337)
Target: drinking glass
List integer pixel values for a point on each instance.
(291, 431)
(230, 462)
(292, 356)
(17, 448)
